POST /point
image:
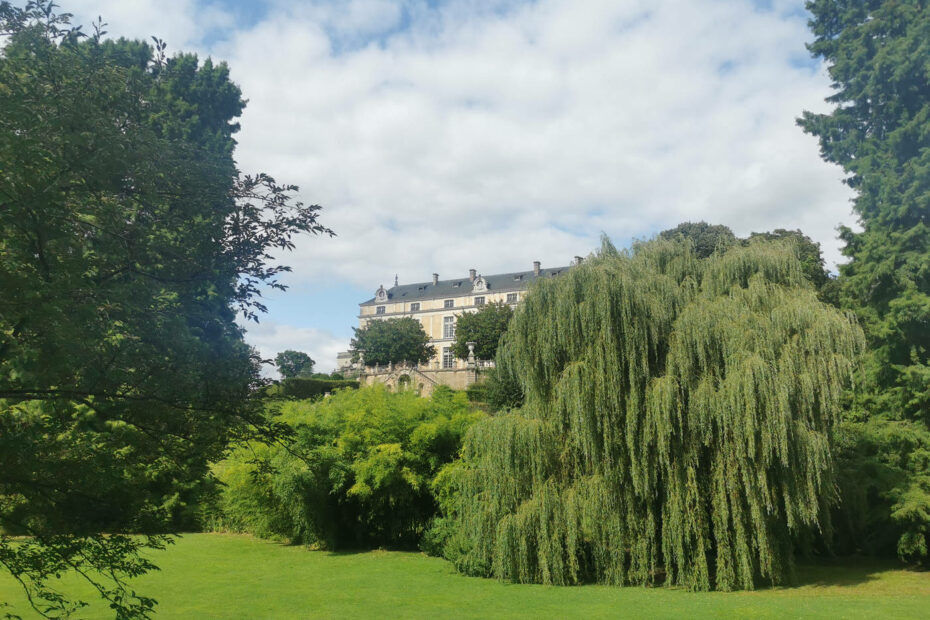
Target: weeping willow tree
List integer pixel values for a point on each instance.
(677, 425)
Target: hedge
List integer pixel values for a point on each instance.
(305, 387)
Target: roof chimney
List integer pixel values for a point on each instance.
(471, 274)
(435, 278)
(536, 267)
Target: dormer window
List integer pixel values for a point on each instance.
(381, 294)
(480, 285)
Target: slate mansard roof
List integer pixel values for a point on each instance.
(500, 283)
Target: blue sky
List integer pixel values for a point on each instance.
(443, 136)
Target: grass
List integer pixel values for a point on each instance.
(227, 576)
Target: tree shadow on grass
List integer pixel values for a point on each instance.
(847, 571)
(361, 550)
(342, 551)
(348, 552)
(841, 571)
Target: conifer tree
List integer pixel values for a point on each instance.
(878, 55)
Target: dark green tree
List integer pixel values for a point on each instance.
(484, 327)
(879, 132)
(127, 245)
(706, 238)
(294, 364)
(391, 341)
(678, 421)
(501, 389)
(811, 258)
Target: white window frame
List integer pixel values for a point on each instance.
(448, 359)
(513, 298)
(449, 303)
(479, 300)
(448, 327)
(415, 306)
(380, 309)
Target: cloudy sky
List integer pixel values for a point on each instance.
(441, 136)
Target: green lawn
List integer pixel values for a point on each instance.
(222, 576)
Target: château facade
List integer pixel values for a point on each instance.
(437, 304)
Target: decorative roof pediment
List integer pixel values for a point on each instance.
(480, 285)
(381, 294)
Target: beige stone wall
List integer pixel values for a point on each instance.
(422, 380)
(432, 314)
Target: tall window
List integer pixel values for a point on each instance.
(448, 327)
(379, 310)
(415, 306)
(449, 303)
(448, 360)
(511, 298)
(479, 301)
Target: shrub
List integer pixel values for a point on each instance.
(477, 393)
(310, 387)
(358, 474)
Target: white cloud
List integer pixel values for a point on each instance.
(490, 134)
(270, 338)
(489, 138)
(183, 24)
(349, 21)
